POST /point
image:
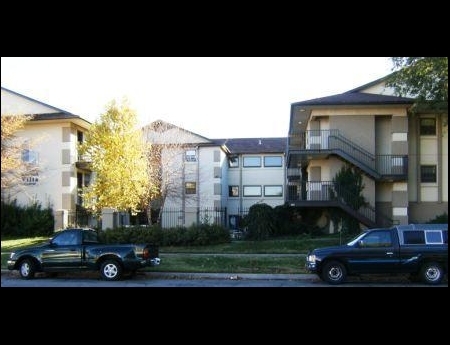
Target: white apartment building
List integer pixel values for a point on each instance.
(226, 176)
(54, 134)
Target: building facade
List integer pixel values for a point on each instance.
(53, 135)
(403, 157)
(225, 176)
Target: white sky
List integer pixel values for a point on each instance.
(216, 97)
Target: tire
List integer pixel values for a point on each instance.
(27, 269)
(432, 273)
(111, 270)
(334, 272)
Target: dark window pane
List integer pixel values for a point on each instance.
(427, 126)
(233, 191)
(414, 237)
(428, 173)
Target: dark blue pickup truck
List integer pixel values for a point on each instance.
(421, 250)
(78, 249)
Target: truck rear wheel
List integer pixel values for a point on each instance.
(110, 269)
(334, 272)
(432, 273)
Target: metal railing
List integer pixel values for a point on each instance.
(334, 194)
(331, 140)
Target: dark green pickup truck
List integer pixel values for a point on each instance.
(421, 250)
(78, 249)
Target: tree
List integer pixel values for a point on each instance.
(348, 188)
(425, 78)
(118, 156)
(13, 168)
(166, 161)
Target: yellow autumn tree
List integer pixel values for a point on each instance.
(115, 148)
(12, 166)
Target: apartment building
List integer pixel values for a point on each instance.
(53, 135)
(403, 157)
(226, 176)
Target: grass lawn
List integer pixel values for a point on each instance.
(211, 259)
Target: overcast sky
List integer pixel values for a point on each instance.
(229, 97)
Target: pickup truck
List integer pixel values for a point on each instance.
(78, 249)
(420, 250)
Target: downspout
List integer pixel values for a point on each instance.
(198, 184)
(241, 187)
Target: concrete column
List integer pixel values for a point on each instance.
(109, 220)
(61, 219)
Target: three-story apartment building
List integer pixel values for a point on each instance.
(53, 135)
(226, 176)
(403, 156)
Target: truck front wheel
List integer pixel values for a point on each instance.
(27, 269)
(334, 272)
(111, 270)
(432, 273)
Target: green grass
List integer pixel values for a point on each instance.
(213, 261)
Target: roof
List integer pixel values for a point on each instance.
(58, 110)
(356, 98)
(55, 116)
(372, 83)
(253, 145)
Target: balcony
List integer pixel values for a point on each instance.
(320, 144)
(84, 163)
(316, 194)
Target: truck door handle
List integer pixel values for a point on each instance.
(389, 253)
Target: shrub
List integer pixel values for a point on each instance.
(259, 222)
(440, 219)
(26, 221)
(203, 234)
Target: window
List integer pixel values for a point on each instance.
(428, 126)
(377, 239)
(252, 190)
(191, 156)
(233, 191)
(433, 237)
(233, 161)
(273, 190)
(30, 157)
(190, 187)
(252, 162)
(80, 137)
(66, 238)
(428, 173)
(273, 161)
(414, 237)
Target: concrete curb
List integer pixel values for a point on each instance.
(230, 276)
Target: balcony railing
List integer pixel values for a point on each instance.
(329, 193)
(331, 141)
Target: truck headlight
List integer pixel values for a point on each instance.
(311, 258)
